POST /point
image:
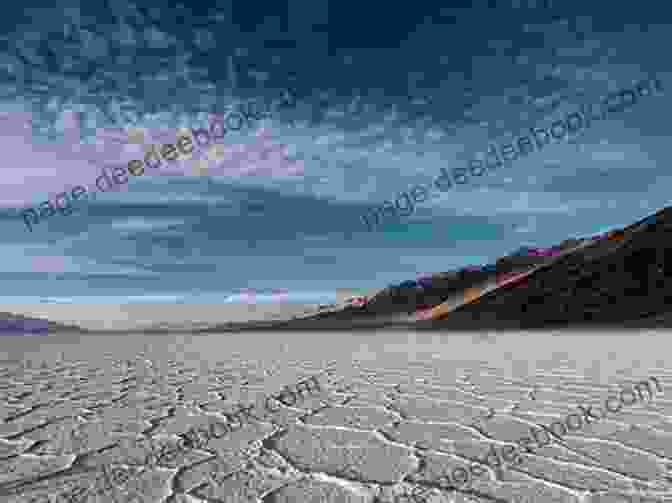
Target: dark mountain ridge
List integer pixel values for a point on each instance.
(623, 279)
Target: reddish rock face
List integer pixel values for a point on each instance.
(616, 235)
(357, 301)
(511, 278)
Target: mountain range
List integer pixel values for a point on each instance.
(618, 279)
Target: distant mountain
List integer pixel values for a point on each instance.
(16, 324)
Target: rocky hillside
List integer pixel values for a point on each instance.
(617, 279)
(626, 278)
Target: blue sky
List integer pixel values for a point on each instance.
(376, 114)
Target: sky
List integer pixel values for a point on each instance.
(383, 100)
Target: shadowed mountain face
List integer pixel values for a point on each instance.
(626, 278)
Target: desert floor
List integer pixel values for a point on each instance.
(396, 411)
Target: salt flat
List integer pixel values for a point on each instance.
(397, 410)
